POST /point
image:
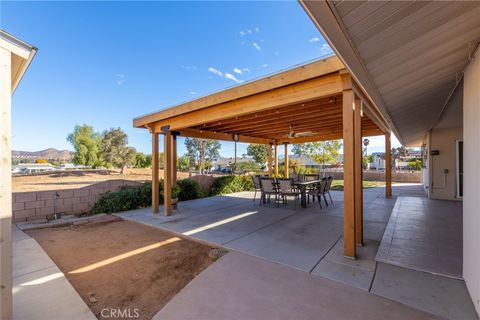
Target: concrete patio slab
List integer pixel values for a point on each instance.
(240, 286)
(425, 235)
(299, 241)
(40, 290)
(438, 295)
(358, 273)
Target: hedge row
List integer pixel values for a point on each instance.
(130, 198)
(231, 184)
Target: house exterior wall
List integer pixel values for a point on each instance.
(442, 167)
(471, 194)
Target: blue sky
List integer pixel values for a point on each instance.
(104, 63)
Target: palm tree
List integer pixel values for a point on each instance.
(366, 142)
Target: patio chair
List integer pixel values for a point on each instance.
(310, 177)
(258, 186)
(318, 192)
(286, 189)
(268, 188)
(327, 190)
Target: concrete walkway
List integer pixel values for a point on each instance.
(310, 240)
(240, 286)
(40, 290)
(424, 235)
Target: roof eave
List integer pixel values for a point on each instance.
(334, 33)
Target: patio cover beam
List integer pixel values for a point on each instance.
(293, 94)
(349, 250)
(155, 178)
(278, 80)
(358, 171)
(388, 166)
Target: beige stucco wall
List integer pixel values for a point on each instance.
(443, 185)
(471, 196)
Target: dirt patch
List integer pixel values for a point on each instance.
(78, 179)
(124, 265)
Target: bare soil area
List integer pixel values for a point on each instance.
(116, 264)
(77, 179)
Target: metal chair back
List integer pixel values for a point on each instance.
(256, 182)
(268, 185)
(284, 185)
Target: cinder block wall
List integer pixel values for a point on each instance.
(38, 205)
(406, 177)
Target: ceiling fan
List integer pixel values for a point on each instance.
(293, 134)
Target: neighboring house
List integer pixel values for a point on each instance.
(378, 161)
(29, 168)
(223, 164)
(306, 161)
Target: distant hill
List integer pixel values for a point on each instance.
(48, 154)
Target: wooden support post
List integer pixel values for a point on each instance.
(276, 160)
(174, 157)
(270, 160)
(388, 166)
(348, 169)
(286, 162)
(155, 178)
(5, 185)
(167, 174)
(358, 172)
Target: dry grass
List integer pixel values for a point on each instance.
(338, 184)
(78, 179)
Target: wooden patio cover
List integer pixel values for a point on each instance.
(313, 102)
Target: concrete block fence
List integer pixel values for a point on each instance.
(405, 177)
(38, 205)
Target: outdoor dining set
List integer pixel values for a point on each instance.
(301, 187)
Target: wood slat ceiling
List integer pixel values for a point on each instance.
(319, 118)
(414, 53)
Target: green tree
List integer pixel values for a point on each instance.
(115, 150)
(86, 143)
(300, 149)
(366, 160)
(259, 152)
(202, 151)
(142, 160)
(323, 151)
(248, 166)
(184, 163)
(415, 164)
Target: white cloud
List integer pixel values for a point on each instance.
(325, 49)
(225, 75)
(240, 71)
(189, 68)
(264, 65)
(120, 79)
(243, 33)
(256, 46)
(193, 93)
(232, 77)
(215, 71)
(314, 39)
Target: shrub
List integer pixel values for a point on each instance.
(230, 184)
(189, 189)
(125, 199)
(130, 198)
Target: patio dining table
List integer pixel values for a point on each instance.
(303, 185)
